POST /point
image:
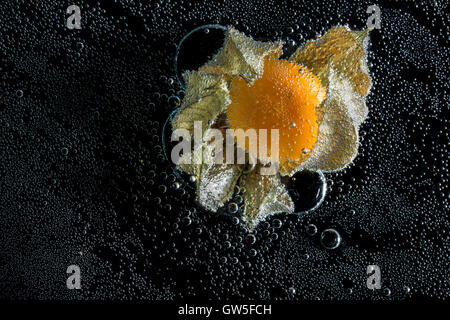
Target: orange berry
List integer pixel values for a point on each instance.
(285, 97)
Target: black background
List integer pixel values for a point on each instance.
(84, 179)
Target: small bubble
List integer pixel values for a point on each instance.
(277, 223)
(187, 221)
(65, 151)
(330, 239)
(251, 239)
(311, 229)
(233, 207)
(176, 185)
(174, 102)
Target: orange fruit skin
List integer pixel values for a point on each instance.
(285, 97)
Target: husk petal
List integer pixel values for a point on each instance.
(264, 195)
(342, 48)
(242, 56)
(338, 140)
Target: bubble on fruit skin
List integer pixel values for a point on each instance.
(105, 101)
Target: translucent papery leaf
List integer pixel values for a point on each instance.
(343, 112)
(215, 179)
(242, 56)
(264, 195)
(341, 49)
(206, 96)
(216, 184)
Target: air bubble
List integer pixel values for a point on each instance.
(330, 239)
